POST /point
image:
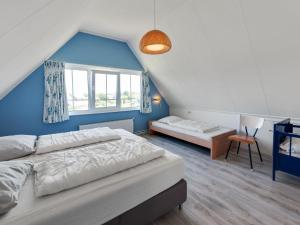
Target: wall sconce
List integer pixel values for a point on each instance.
(156, 99)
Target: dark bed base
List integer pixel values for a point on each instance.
(150, 210)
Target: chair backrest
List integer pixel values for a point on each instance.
(252, 122)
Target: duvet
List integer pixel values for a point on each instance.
(58, 171)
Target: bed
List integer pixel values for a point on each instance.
(286, 148)
(215, 139)
(135, 196)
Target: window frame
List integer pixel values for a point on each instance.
(91, 71)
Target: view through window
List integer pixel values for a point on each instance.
(100, 90)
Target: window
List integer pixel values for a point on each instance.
(77, 89)
(93, 89)
(105, 90)
(130, 90)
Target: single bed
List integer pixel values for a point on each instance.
(286, 148)
(133, 197)
(215, 140)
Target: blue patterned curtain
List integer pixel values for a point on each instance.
(146, 106)
(55, 98)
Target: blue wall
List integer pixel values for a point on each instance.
(21, 111)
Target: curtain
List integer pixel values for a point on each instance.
(146, 106)
(55, 98)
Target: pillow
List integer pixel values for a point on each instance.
(62, 141)
(170, 119)
(295, 145)
(15, 146)
(13, 175)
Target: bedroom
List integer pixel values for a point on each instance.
(95, 130)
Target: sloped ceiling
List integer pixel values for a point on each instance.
(228, 55)
(30, 31)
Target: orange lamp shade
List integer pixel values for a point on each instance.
(155, 42)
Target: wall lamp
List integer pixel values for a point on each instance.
(156, 99)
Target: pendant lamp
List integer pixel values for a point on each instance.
(155, 41)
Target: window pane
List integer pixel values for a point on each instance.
(68, 80)
(80, 90)
(111, 90)
(125, 90)
(81, 104)
(77, 89)
(135, 90)
(100, 90)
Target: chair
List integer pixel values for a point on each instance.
(248, 122)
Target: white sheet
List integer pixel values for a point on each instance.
(170, 119)
(195, 126)
(205, 136)
(99, 201)
(63, 170)
(60, 141)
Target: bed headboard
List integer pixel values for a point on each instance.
(284, 126)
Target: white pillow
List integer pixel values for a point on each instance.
(62, 141)
(295, 145)
(16, 146)
(170, 119)
(13, 175)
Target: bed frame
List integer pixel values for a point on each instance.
(285, 162)
(148, 211)
(218, 145)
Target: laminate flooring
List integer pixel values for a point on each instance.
(224, 192)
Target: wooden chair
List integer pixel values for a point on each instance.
(248, 122)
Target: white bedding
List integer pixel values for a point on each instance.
(195, 126)
(205, 136)
(13, 175)
(63, 170)
(295, 148)
(16, 146)
(60, 141)
(99, 201)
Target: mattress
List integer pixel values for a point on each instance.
(295, 148)
(294, 154)
(205, 136)
(99, 201)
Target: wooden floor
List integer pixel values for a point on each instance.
(226, 192)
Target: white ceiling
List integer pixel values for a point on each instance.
(228, 55)
(30, 31)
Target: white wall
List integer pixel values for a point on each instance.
(230, 119)
(237, 56)
(31, 31)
